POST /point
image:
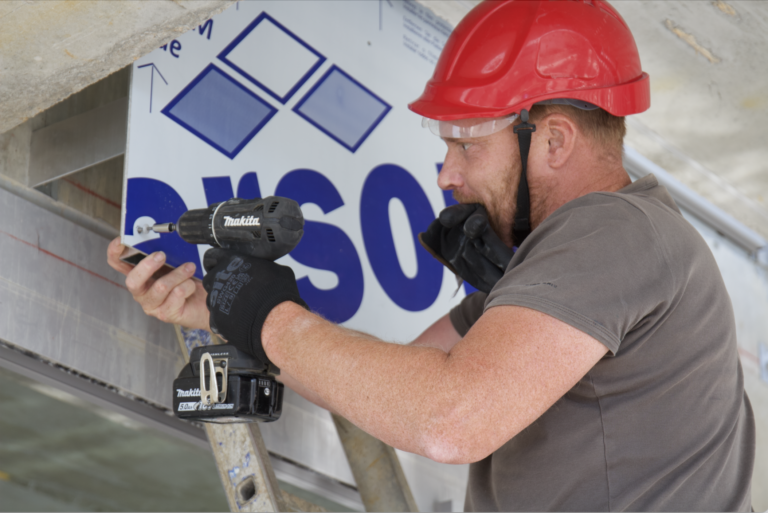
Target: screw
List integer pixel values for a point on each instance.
(266, 391)
(140, 229)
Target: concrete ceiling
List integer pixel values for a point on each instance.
(709, 90)
(707, 62)
(708, 123)
(50, 49)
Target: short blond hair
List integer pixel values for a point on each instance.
(605, 129)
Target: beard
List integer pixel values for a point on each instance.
(501, 206)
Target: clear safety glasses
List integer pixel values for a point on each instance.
(467, 128)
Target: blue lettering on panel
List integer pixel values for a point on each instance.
(175, 47)
(248, 187)
(324, 246)
(207, 25)
(158, 200)
(385, 182)
(217, 189)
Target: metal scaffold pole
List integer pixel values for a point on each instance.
(244, 468)
(243, 462)
(379, 476)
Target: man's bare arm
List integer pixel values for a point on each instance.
(441, 335)
(455, 407)
(426, 398)
(178, 298)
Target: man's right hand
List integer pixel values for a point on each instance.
(174, 297)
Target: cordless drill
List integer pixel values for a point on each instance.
(221, 383)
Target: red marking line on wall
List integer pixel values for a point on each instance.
(57, 257)
(94, 194)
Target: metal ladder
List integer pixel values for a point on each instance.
(249, 480)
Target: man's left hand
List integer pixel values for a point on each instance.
(463, 240)
(242, 291)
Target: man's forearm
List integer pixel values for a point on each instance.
(303, 391)
(441, 335)
(380, 387)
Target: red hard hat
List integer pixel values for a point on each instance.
(505, 56)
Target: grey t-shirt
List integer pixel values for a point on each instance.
(660, 423)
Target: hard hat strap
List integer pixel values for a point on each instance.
(522, 226)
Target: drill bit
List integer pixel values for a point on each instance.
(164, 228)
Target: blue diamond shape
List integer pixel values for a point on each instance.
(342, 108)
(220, 111)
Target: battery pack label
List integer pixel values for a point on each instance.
(196, 406)
(189, 406)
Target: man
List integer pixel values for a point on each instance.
(599, 372)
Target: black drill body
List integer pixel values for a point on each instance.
(221, 383)
(263, 228)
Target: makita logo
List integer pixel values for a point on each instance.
(241, 221)
(195, 392)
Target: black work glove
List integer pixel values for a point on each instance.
(242, 290)
(462, 240)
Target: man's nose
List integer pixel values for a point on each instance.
(450, 174)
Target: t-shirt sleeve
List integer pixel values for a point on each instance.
(595, 264)
(466, 313)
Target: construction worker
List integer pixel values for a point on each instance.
(597, 369)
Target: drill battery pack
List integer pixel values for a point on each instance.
(224, 385)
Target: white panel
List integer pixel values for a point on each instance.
(367, 42)
(376, 70)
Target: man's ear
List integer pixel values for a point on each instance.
(561, 133)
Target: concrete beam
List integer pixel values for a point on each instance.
(50, 49)
(78, 142)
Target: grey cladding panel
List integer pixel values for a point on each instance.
(61, 300)
(78, 142)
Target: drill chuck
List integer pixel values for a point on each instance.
(164, 228)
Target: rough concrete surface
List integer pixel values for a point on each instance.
(709, 100)
(50, 49)
(14, 151)
(15, 143)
